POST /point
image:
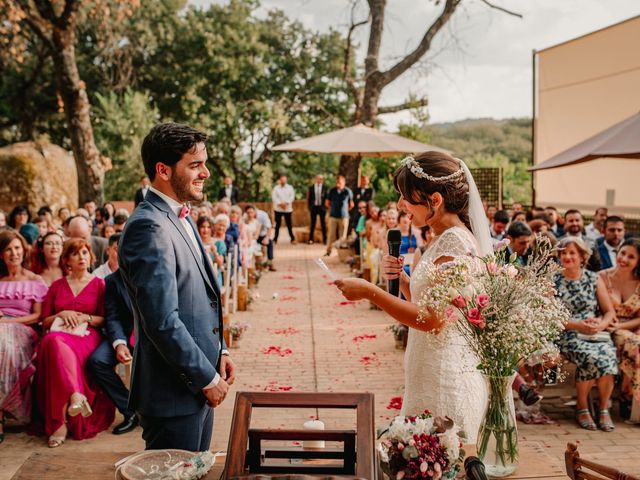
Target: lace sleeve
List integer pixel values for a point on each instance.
(452, 243)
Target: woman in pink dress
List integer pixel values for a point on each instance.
(68, 400)
(21, 296)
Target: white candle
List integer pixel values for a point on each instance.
(313, 425)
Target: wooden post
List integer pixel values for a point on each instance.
(243, 297)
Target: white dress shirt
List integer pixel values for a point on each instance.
(592, 233)
(103, 270)
(145, 190)
(177, 207)
(318, 191)
(283, 194)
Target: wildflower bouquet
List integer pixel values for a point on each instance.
(506, 312)
(421, 447)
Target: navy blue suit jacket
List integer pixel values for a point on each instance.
(177, 312)
(603, 253)
(118, 315)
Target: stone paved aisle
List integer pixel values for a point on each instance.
(303, 336)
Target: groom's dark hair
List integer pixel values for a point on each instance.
(167, 143)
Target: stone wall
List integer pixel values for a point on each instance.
(37, 174)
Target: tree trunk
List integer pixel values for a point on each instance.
(89, 163)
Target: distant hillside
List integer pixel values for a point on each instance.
(490, 143)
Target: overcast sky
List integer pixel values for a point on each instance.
(480, 64)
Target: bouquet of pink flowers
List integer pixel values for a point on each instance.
(421, 447)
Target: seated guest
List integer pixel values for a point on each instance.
(519, 217)
(234, 227)
(30, 233)
(119, 219)
(64, 214)
(608, 245)
(265, 229)
(205, 229)
(111, 210)
(102, 218)
(108, 230)
(491, 212)
(67, 400)
(500, 222)
(519, 235)
(539, 226)
(361, 218)
(595, 229)
(410, 241)
(18, 217)
(585, 341)
(111, 265)
(552, 219)
(224, 242)
(623, 285)
(574, 227)
(117, 347)
(21, 296)
(43, 225)
(47, 259)
(3, 220)
(516, 207)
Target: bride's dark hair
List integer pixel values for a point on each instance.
(416, 190)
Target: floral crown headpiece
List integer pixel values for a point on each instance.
(417, 170)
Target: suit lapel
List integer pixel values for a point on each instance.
(162, 205)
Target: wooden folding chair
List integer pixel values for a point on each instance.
(246, 454)
(581, 469)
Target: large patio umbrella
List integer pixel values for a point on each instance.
(359, 140)
(621, 140)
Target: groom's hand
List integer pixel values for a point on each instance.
(216, 394)
(227, 369)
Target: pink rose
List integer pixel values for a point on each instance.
(475, 318)
(482, 300)
(459, 302)
(492, 268)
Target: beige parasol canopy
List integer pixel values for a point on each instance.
(359, 140)
(621, 140)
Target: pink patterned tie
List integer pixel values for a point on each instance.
(184, 212)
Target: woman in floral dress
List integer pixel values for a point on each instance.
(623, 285)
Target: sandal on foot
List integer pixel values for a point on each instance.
(80, 407)
(605, 424)
(55, 442)
(586, 422)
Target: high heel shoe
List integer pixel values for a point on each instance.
(55, 442)
(586, 421)
(80, 407)
(605, 424)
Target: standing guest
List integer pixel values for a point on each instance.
(315, 202)
(519, 235)
(585, 341)
(361, 226)
(79, 227)
(48, 257)
(111, 265)
(3, 219)
(595, 229)
(607, 246)
(117, 347)
(63, 215)
(229, 191)
(553, 220)
(68, 401)
(141, 193)
(18, 217)
(339, 201)
(500, 222)
(282, 197)
(623, 285)
(21, 296)
(180, 367)
(264, 237)
(111, 210)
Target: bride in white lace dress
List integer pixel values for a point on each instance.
(440, 368)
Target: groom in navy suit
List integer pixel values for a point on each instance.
(181, 368)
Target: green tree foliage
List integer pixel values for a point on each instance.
(121, 122)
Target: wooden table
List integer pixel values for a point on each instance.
(535, 463)
(57, 465)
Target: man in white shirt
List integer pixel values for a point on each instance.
(595, 229)
(142, 191)
(111, 265)
(282, 197)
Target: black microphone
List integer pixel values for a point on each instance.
(394, 239)
(474, 469)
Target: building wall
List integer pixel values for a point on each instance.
(584, 86)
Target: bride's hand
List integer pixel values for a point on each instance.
(354, 288)
(392, 267)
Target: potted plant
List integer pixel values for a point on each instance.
(236, 330)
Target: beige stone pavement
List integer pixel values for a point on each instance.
(304, 336)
